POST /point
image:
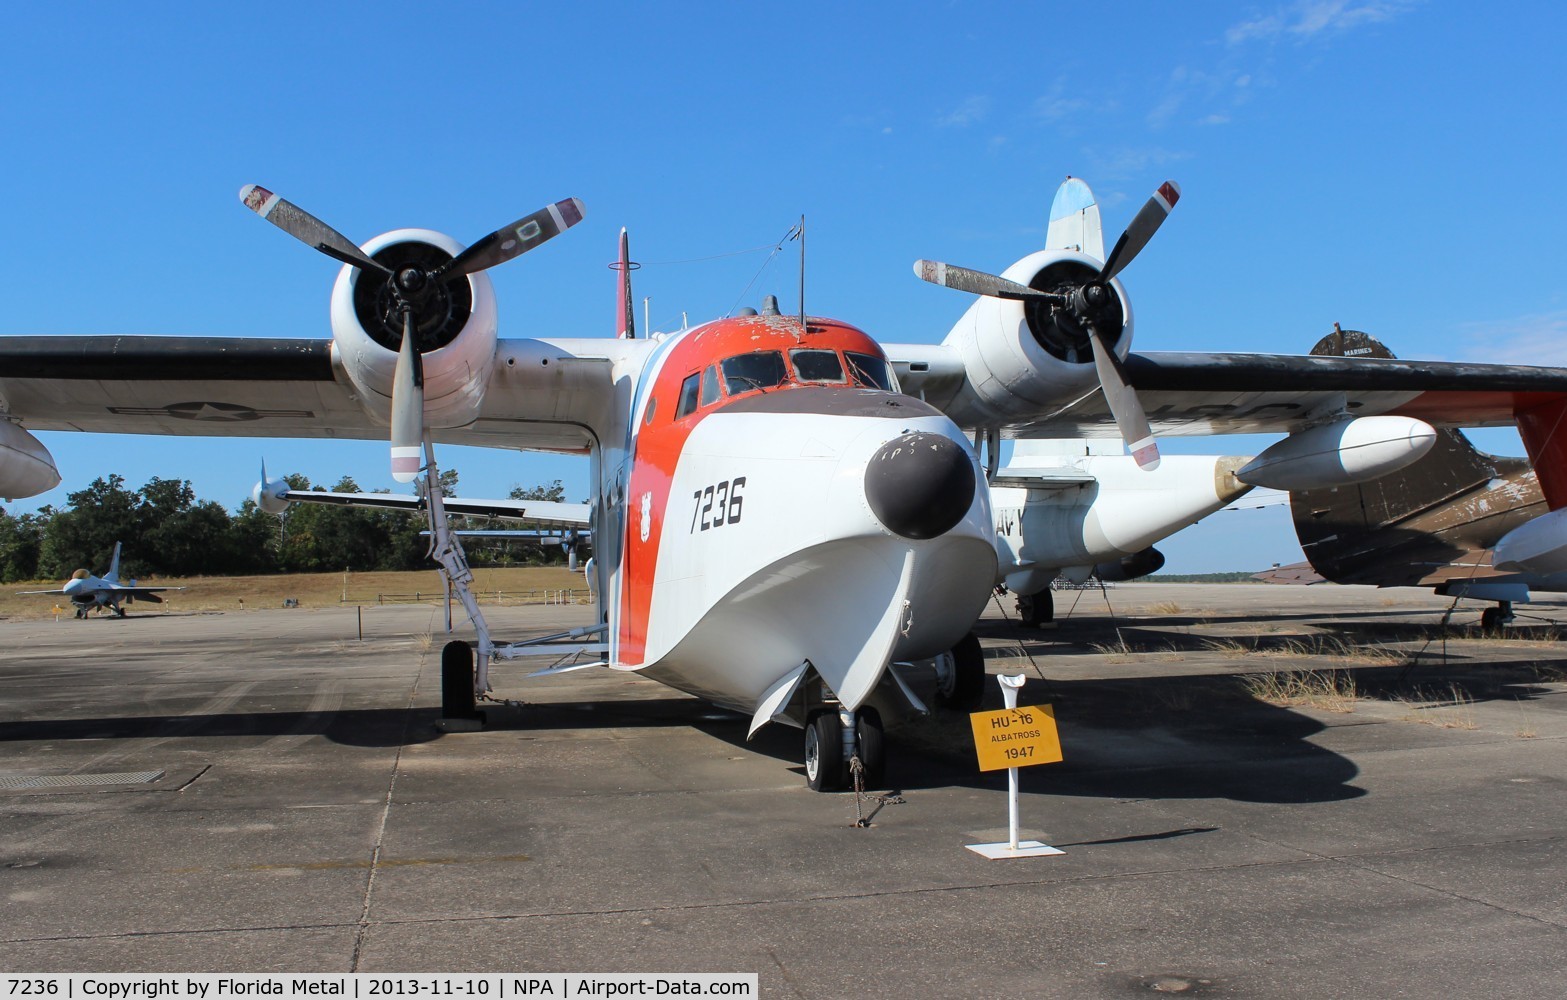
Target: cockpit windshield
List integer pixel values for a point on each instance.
(758, 370)
(816, 365)
(869, 370)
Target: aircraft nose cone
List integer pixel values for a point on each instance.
(919, 485)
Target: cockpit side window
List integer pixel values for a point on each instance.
(869, 370)
(814, 365)
(688, 391)
(759, 370)
(710, 385)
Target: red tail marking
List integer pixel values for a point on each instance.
(1544, 433)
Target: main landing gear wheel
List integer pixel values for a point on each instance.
(458, 707)
(1035, 610)
(1493, 620)
(871, 747)
(825, 768)
(961, 686)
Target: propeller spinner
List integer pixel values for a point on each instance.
(414, 295)
(1085, 305)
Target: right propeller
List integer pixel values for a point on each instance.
(416, 295)
(1085, 305)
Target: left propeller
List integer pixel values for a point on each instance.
(1083, 306)
(416, 293)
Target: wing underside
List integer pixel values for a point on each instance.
(1196, 393)
(275, 387)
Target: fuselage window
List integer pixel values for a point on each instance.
(688, 391)
(870, 370)
(761, 370)
(652, 406)
(817, 365)
(710, 385)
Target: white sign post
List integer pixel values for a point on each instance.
(1012, 848)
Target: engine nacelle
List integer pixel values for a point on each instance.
(1536, 546)
(456, 332)
(1020, 356)
(26, 467)
(1340, 454)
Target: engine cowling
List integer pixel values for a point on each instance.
(455, 332)
(26, 467)
(1341, 453)
(1020, 356)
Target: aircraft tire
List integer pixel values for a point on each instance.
(825, 768)
(457, 701)
(1493, 621)
(967, 689)
(1038, 609)
(871, 746)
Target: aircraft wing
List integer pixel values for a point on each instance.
(1198, 393)
(37, 593)
(266, 387)
(547, 513)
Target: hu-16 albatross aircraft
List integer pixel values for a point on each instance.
(775, 524)
(87, 592)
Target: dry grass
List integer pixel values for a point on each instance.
(1317, 646)
(1328, 690)
(1165, 608)
(1525, 730)
(1230, 647)
(1548, 673)
(516, 585)
(1452, 709)
(1119, 651)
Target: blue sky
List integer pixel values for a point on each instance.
(1396, 167)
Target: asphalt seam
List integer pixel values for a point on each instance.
(362, 925)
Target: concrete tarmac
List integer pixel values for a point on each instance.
(266, 791)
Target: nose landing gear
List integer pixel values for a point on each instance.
(834, 739)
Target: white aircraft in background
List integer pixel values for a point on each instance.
(1081, 507)
(87, 592)
(776, 526)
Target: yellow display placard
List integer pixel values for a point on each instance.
(1016, 737)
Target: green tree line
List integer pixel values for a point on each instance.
(167, 531)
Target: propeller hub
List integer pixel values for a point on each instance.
(440, 308)
(1061, 327)
(411, 280)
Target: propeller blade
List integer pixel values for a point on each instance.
(1124, 405)
(978, 282)
(305, 227)
(1147, 222)
(513, 240)
(407, 407)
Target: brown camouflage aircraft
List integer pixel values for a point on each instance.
(1435, 523)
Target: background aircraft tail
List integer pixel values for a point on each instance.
(1366, 532)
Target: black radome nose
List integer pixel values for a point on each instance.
(920, 485)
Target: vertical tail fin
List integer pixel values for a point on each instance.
(1074, 220)
(113, 576)
(625, 319)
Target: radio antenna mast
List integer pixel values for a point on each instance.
(801, 234)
